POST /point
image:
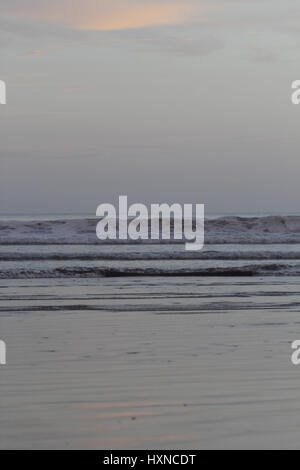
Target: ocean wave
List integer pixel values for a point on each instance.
(274, 269)
(221, 230)
(156, 256)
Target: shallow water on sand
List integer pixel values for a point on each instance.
(150, 362)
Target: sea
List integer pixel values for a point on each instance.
(63, 250)
(147, 345)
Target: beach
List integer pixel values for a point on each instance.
(149, 227)
(135, 380)
(134, 361)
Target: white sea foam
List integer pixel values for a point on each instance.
(222, 230)
(145, 255)
(235, 246)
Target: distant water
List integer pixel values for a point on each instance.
(67, 247)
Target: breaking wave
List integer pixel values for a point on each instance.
(221, 230)
(273, 269)
(155, 256)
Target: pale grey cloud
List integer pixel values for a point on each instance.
(103, 15)
(50, 24)
(156, 110)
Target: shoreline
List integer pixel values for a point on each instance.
(109, 380)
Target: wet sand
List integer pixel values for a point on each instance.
(150, 380)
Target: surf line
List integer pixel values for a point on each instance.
(161, 222)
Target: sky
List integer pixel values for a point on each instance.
(183, 101)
